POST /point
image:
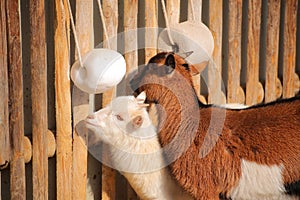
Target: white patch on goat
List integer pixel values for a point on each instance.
(234, 106)
(259, 182)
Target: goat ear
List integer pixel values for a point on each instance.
(170, 63)
(185, 54)
(137, 121)
(141, 97)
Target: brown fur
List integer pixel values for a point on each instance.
(267, 134)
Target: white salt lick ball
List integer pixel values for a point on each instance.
(102, 69)
(189, 36)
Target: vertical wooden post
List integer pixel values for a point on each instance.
(289, 56)
(131, 50)
(63, 103)
(235, 93)
(253, 86)
(173, 10)
(80, 101)
(4, 131)
(16, 119)
(194, 14)
(151, 29)
(215, 69)
(131, 37)
(110, 9)
(38, 63)
(272, 50)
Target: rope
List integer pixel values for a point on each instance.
(167, 23)
(74, 29)
(74, 33)
(103, 23)
(192, 9)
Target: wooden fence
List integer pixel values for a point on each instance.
(256, 59)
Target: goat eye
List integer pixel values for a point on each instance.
(119, 118)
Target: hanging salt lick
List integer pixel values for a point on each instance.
(102, 69)
(188, 36)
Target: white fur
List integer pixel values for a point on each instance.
(260, 182)
(137, 154)
(234, 106)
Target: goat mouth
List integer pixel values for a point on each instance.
(89, 123)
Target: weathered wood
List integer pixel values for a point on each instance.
(151, 32)
(194, 14)
(130, 34)
(110, 8)
(16, 118)
(63, 103)
(234, 52)
(278, 88)
(173, 10)
(51, 144)
(4, 124)
(4, 131)
(38, 61)
(289, 50)
(131, 51)
(215, 69)
(296, 83)
(195, 10)
(272, 49)
(27, 149)
(80, 101)
(254, 19)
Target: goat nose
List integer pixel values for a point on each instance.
(90, 117)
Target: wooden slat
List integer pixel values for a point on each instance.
(173, 10)
(254, 18)
(131, 37)
(16, 119)
(38, 62)
(110, 8)
(151, 29)
(289, 57)
(234, 52)
(272, 50)
(215, 68)
(131, 51)
(195, 10)
(80, 101)
(194, 14)
(4, 131)
(63, 104)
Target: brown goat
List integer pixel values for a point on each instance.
(251, 153)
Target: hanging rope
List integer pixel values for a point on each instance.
(74, 33)
(74, 29)
(192, 10)
(103, 23)
(167, 23)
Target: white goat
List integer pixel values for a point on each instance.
(135, 150)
